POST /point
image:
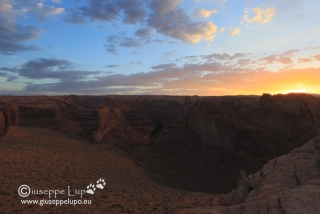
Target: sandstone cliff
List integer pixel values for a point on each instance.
(2, 124)
(106, 118)
(287, 184)
(11, 114)
(264, 127)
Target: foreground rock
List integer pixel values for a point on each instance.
(287, 184)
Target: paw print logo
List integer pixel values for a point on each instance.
(101, 183)
(91, 188)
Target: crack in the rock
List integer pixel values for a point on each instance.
(282, 208)
(275, 162)
(295, 175)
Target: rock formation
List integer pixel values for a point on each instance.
(11, 114)
(287, 184)
(264, 127)
(106, 118)
(2, 123)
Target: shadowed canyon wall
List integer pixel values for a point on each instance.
(267, 126)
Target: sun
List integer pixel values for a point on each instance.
(300, 90)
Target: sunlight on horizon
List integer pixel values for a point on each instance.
(300, 90)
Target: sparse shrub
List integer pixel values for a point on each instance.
(242, 181)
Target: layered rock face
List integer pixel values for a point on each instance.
(11, 114)
(287, 184)
(149, 116)
(46, 112)
(265, 127)
(2, 123)
(106, 118)
(43, 112)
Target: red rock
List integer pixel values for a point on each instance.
(106, 118)
(11, 114)
(264, 127)
(2, 123)
(289, 184)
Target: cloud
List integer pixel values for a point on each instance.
(74, 17)
(261, 16)
(208, 78)
(161, 16)
(221, 30)
(275, 58)
(203, 13)
(289, 53)
(284, 58)
(12, 78)
(131, 42)
(43, 11)
(188, 58)
(164, 66)
(234, 31)
(43, 68)
(144, 32)
(304, 60)
(224, 56)
(2, 74)
(112, 41)
(7, 17)
(165, 79)
(243, 62)
(38, 8)
(136, 62)
(317, 57)
(120, 40)
(171, 21)
(269, 59)
(131, 11)
(112, 66)
(170, 53)
(12, 34)
(161, 79)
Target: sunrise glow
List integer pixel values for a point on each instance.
(301, 90)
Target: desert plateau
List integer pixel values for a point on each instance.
(162, 154)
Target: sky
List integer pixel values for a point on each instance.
(159, 47)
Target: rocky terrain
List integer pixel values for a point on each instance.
(286, 184)
(167, 154)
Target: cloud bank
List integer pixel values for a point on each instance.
(162, 16)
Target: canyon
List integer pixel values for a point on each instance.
(186, 145)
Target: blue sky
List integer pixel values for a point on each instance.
(174, 47)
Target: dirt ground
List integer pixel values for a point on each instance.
(49, 160)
